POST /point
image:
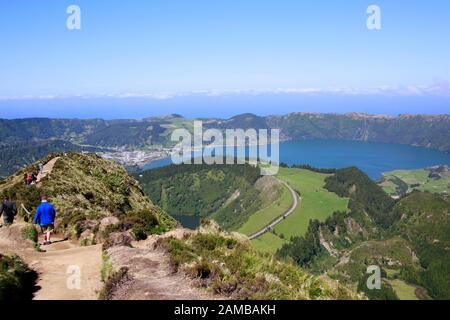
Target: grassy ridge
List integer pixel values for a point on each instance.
(401, 182)
(230, 195)
(229, 266)
(84, 189)
(409, 237)
(263, 217)
(426, 224)
(268, 242)
(404, 290)
(196, 189)
(337, 246)
(316, 203)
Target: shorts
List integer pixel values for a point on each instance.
(47, 228)
(7, 221)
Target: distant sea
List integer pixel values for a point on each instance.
(220, 106)
(372, 158)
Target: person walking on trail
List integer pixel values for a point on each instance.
(33, 178)
(45, 217)
(41, 168)
(28, 179)
(8, 210)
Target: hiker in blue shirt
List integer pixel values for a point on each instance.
(45, 217)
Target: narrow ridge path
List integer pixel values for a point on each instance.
(152, 276)
(47, 169)
(66, 271)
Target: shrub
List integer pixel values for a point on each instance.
(115, 280)
(29, 196)
(208, 241)
(17, 281)
(111, 229)
(30, 233)
(138, 232)
(142, 223)
(107, 267)
(234, 269)
(204, 270)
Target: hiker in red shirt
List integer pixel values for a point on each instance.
(28, 179)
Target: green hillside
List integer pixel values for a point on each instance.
(230, 195)
(401, 182)
(407, 239)
(14, 157)
(268, 243)
(425, 131)
(84, 189)
(345, 222)
(316, 203)
(328, 243)
(365, 195)
(195, 189)
(432, 132)
(238, 198)
(24, 141)
(270, 211)
(425, 224)
(227, 265)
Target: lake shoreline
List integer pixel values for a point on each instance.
(371, 157)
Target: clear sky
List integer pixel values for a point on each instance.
(194, 51)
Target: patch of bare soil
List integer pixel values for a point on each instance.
(421, 293)
(149, 274)
(66, 270)
(47, 169)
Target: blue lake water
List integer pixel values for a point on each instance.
(189, 222)
(372, 158)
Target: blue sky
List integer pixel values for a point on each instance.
(161, 56)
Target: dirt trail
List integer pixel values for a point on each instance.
(151, 275)
(63, 260)
(48, 167)
(57, 265)
(61, 263)
(148, 266)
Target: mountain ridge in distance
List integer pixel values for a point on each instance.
(154, 132)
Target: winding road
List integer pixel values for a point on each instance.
(267, 228)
